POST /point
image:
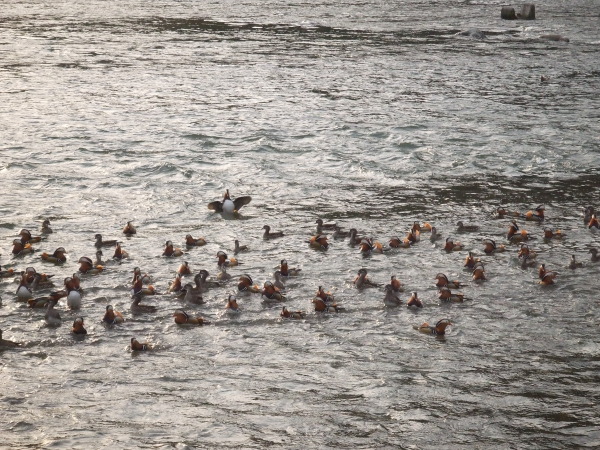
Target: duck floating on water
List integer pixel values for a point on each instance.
(58, 257)
(271, 235)
(362, 281)
(438, 330)
(86, 266)
(139, 346)
(319, 242)
(537, 215)
(171, 251)
(229, 206)
(102, 243)
(414, 301)
(183, 318)
(462, 228)
(112, 317)
(78, 327)
(453, 246)
(194, 242)
(129, 229)
(391, 299)
(292, 314)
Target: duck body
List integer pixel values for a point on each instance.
(287, 271)
(271, 294)
(390, 299)
(292, 314)
(78, 328)
(490, 247)
(120, 253)
(462, 228)
(112, 317)
(414, 301)
(271, 235)
(139, 346)
(52, 316)
(362, 281)
(321, 306)
(239, 248)
(223, 261)
(445, 295)
(183, 318)
(245, 284)
(87, 267)
(102, 243)
(537, 215)
(21, 249)
(319, 242)
(438, 330)
(170, 251)
(452, 246)
(129, 229)
(194, 242)
(228, 205)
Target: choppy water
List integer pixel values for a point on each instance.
(373, 114)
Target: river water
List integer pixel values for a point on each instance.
(372, 114)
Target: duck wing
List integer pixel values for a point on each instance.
(241, 201)
(216, 206)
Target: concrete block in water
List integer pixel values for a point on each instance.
(527, 12)
(508, 13)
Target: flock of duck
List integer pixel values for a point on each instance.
(271, 292)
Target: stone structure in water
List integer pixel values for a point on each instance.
(527, 12)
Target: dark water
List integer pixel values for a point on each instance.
(372, 114)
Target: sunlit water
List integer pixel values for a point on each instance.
(373, 114)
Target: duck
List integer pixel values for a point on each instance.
(321, 306)
(287, 271)
(270, 292)
(594, 252)
(549, 233)
(43, 302)
(20, 249)
(27, 238)
(414, 301)
(442, 281)
(327, 297)
(129, 229)
(548, 278)
(193, 294)
(501, 213)
(201, 280)
(74, 297)
(58, 257)
(324, 226)
(367, 247)
(222, 260)
(175, 285)
(52, 316)
(78, 326)
(112, 317)
(462, 228)
(537, 215)
(593, 223)
(137, 272)
(396, 242)
(438, 330)
(171, 251)
(24, 291)
(102, 243)
(526, 253)
(470, 261)
(245, 284)
(319, 242)
(279, 284)
(413, 235)
(361, 280)
(574, 264)
(445, 295)
(587, 214)
(239, 248)
(490, 247)
(268, 235)
(182, 318)
(515, 234)
(479, 272)
(45, 229)
(5, 343)
(139, 346)
(120, 253)
(30, 275)
(223, 275)
(99, 261)
(86, 266)
(292, 314)
(452, 246)
(6, 273)
(138, 289)
(184, 269)
(229, 206)
(137, 308)
(391, 299)
(396, 285)
(232, 306)
(354, 237)
(435, 236)
(339, 234)
(194, 242)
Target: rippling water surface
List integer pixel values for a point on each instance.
(373, 114)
